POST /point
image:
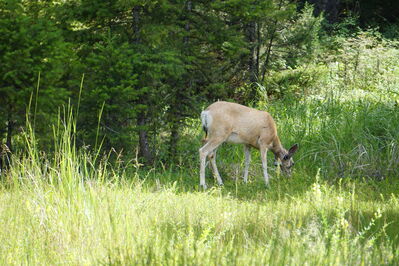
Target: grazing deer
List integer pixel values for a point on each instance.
(235, 123)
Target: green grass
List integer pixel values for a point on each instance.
(340, 207)
(69, 209)
(72, 207)
(135, 222)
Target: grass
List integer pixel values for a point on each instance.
(69, 209)
(132, 222)
(341, 206)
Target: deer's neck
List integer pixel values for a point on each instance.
(277, 148)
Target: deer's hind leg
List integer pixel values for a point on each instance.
(209, 149)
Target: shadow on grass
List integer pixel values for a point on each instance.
(255, 190)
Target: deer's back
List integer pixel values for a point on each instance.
(242, 123)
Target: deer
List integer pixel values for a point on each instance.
(239, 124)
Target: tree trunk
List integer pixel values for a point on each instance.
(181, 94)
(332, 10)
(2, 156)
(189, 6)
(10, 128)
(5, 150)
(330, 7)
(5, 157)
(268, 52)
(251, 35)
(270, 45)
(174, 138)
(142, 120)
(136, 24)
(144, 147)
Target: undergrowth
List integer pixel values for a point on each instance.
(340, 207)
(70, 207)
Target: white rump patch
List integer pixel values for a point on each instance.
(206, 119)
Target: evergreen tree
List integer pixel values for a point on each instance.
(31, 48)
(132, 69)
(147, 65)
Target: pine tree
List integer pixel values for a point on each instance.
(31, 48)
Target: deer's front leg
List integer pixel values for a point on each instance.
(263, 156)
(247, 152)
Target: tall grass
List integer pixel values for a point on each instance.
(70, 207)
(341, 207)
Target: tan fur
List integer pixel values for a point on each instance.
(231, 122)
(250, 125)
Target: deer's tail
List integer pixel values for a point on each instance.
(206, 120)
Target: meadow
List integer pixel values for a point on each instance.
(340, 207)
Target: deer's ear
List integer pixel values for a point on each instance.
(292, 150)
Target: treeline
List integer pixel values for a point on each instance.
(133, 71)
(374, 13)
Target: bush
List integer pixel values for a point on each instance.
(300, 81)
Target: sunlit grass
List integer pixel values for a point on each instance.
(340, 207)
(68, 209)
(118, 222)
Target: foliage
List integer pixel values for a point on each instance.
(110, 87)
(78, 209)
(297, 82)
(147, 68)
(366, 61)
(139, 72)
(302, 39)
(32, 48)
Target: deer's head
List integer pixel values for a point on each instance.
(286, 160)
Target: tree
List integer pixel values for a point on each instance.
(31, 48)
(329, 7)
(261, 23)
(131, 67)
(108, 94)
(150, 65)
